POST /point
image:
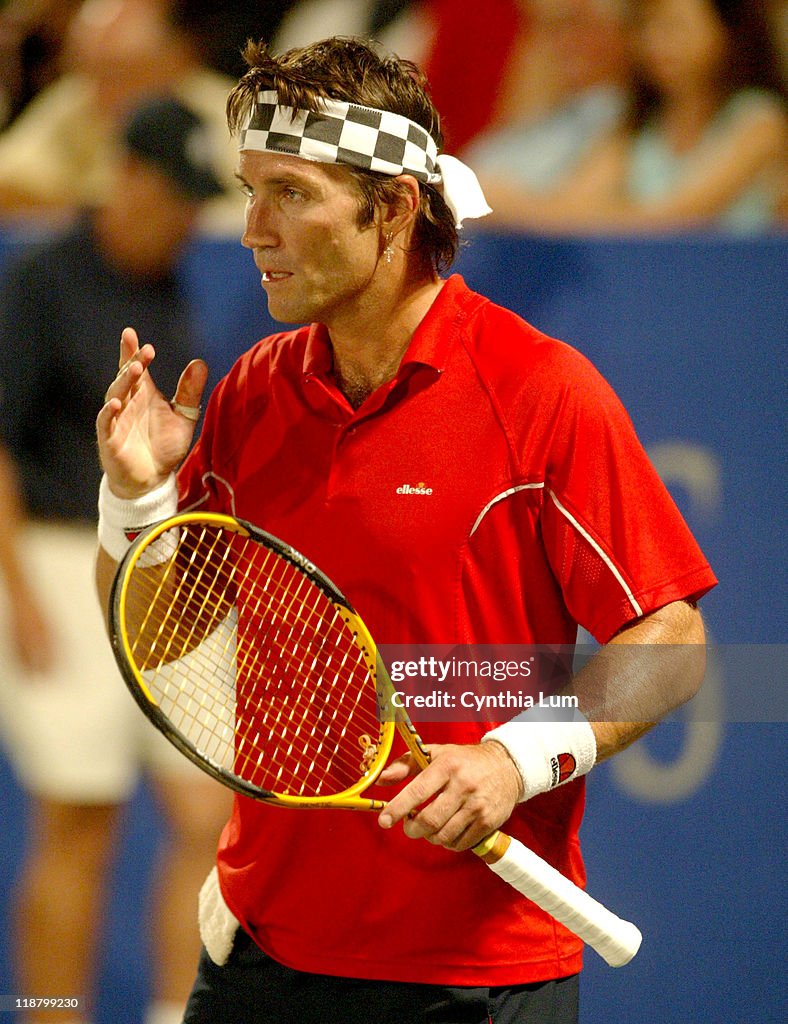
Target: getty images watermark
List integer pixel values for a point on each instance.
(468, 683)
(495, 683)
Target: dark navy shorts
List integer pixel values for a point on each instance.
(252, 988)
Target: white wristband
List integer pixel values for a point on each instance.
(121, 519)
(547, 753)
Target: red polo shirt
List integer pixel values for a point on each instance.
(493, 492)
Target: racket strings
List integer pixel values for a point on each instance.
(188, 588)
(307, 709)
(255, 665)
(194, 594)
(305, 641)
(185, 643)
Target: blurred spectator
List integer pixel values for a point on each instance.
(472, 48)
(463, 47)
(222, 29)
(31, 38)
(705, 138)
(62, 151)
(572, 94)
(397, 24)
(778, 20)
(76, 739)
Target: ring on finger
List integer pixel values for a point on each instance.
(190, 412)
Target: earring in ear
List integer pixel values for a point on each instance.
(388, 252)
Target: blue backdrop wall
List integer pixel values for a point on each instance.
(684, 832)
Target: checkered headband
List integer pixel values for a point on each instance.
(343, 133)
(374, 140)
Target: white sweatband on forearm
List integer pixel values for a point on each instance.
(547, 753)
(121, 519)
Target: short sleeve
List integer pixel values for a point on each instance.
(614, 537)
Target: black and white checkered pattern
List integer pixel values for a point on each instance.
(343, 133)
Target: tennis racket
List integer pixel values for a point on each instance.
(255, 666)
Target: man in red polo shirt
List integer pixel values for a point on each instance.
(464, 479)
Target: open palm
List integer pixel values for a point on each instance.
(141, 437)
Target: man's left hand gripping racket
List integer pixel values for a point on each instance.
(253, 664)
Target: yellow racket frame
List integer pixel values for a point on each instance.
(616, 940)
(349, 798)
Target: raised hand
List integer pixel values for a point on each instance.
(142, 436)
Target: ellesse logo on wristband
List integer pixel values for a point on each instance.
(132, 532)
(562, 767)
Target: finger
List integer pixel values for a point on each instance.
(129, 345)
(458, 835)
(433, 818)
(403, 768)
(130, 373)
(424, 787)
(449, 821)
(439, 826)
(129, 348)
(191, 385)
(106, 418)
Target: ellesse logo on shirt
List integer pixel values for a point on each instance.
(421, 488)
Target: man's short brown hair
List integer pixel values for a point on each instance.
(351, 70)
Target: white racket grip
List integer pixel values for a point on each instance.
(614, 939)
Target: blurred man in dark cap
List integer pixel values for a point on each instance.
(167, 135)
(62, 151)
(74, 736)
